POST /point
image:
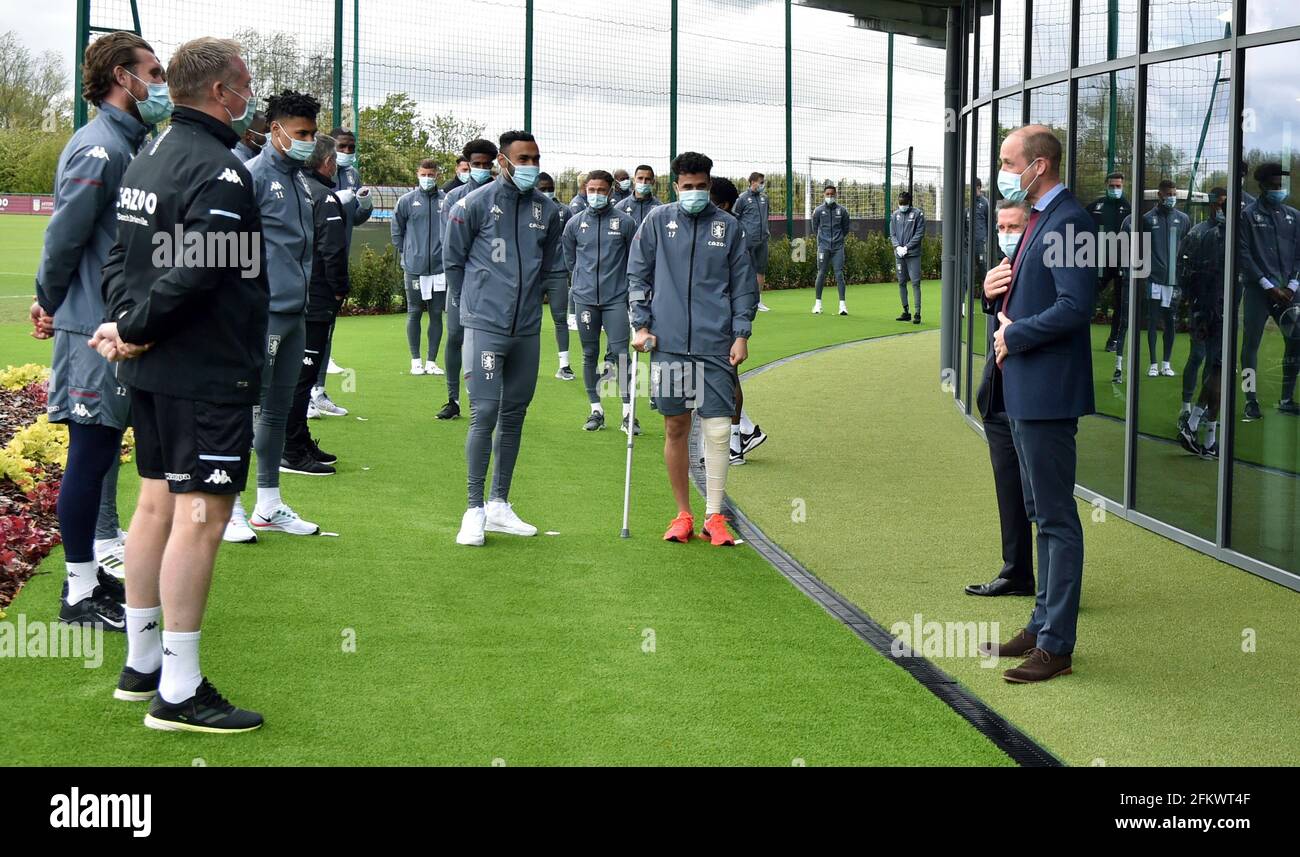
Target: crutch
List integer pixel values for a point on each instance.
(631, 433)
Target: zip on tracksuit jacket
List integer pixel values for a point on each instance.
(288, 227)
(416, 230)
(595, 251)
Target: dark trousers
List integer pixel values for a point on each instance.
(316, 342)
(1047, 469)
(1118, 302)
(1017, 539)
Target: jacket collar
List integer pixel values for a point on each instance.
(280, 161)
(223, 132)
(127, 125)
(507, 187)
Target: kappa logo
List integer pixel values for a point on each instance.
(582, 224)
(219, 477)
(97, 152)
(276, 186)
(229, 175)
(307, 361)
(177, 477)
(415, 203)
(150, 626)
(718, 229)
(80, 410)
(672, 228)
(496, 212)
(488, 360)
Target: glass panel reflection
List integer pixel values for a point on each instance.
(1107, 30)
(1172, 23)
(1011, 43)
(1050, 45)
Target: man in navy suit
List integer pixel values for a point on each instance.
(1043, 352)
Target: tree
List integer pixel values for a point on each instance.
(393, 137)
(277, 62)
(32, 88)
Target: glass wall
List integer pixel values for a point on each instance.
(1208, 371)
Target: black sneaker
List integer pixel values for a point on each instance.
(451, 410)
(1118, 377)
(303, 464)
(753, 440)
(137, 687)
(595, 421)
(906, 316)
(636, 427)
(205, 711)
(737, 458)
(99, 609)
(1183, 419)
(1287, 406)
(564, 373)
(1252, 411)
(115, 588)
(314, 450)
(1188, 441)
(916, 319)
(1211, 452)
(1111, 345)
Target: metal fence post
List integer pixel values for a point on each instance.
(528, 66)
(789, 128)
(338, 63)
(672, 105)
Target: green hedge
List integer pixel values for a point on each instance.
(869, 260)
(376, 283)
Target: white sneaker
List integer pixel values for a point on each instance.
(762, 307)
(432, 368)
(817, 308)
(237, 529)
(417, 366)
(1167, 371)
(1154, 370)
(334, 368)
(844, 310)
(313, 412)
(471, 527)
(283, 520)
(325, 405)
(111, 556)
(501, 518)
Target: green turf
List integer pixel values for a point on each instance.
(530, 651)
(20, 253)
(901, 515)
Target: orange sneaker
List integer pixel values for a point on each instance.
(681, 529)
(715, 531)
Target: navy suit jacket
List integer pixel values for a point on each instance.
(1047, 374)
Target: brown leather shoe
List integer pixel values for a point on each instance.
(1039, 665)
(1017, 647)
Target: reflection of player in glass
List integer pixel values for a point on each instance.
(1268, 249)
(1200, 267)
(1163, 227)
(1109, 211)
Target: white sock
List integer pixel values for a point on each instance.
(1165, 365)
(746, 424)
(82, 580)
(102, 545)
(180, 665)
(1211, 429)
(1119, 362)
(735, 438)
(843, 306)
(627, 410)
(564, 359)
(715, 432)
(1195, 419)
(267, 500)
(143, 638)
(597, 408)
(316, 391)
(1187, 407)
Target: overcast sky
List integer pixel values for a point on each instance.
(601, 72)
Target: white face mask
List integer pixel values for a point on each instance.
(1008, 241)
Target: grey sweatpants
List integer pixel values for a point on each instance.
(285, 341)
(323, 370)
(909, 268)
(500, 377)
(417, 306)
(1256, 310)
(455, 347)
(557, 298)
(827, 260)
(612, 317)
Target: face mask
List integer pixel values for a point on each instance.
(549, 194)
(902, 206)
(597, 200)
(830, 200)
(693, 201)
(299, 150)
(462, 176)
(426, 182)
(1008, 241)
(158, 105)
(480, 174)
(644, 189)
(625, 184)
(523, 177)
(239, 124)
(1009, 184)
(1168, 201)
(1114, 192)
(1277, 195)
(1219, 217)
(347, 159)
(258, 143)
(762, 186)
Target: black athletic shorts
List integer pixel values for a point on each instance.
(195, 446)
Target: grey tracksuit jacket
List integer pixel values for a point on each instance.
(690, 280)
(751, 209)
(288, 227)
(416, 230)
(906, 229)
(595, 252)
(1167, 228)
(1269, 243)
(831, 223)
(499, 248)
(83, 228)
(638, 207)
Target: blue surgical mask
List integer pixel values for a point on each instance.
(480, 174)
(523, 177)
(347, 159)
(762, 186)
(1276, 195)
(158, 105)
(463, 176)
(239, 124)
(426, 182)
(624, 184)
(1168, 201)
(693, 201)
(644, 189)
(830, 200)
(1114, 192)
(1009, 184)
(597, 200)
(299, 150)
(1008, 241)
(549, 194)
(1219, 217)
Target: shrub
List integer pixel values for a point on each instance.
(376, 279)
(14, 378)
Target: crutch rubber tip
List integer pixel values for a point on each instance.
(625, 535)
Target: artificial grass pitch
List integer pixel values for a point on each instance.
(901, 515)
(566, 649)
